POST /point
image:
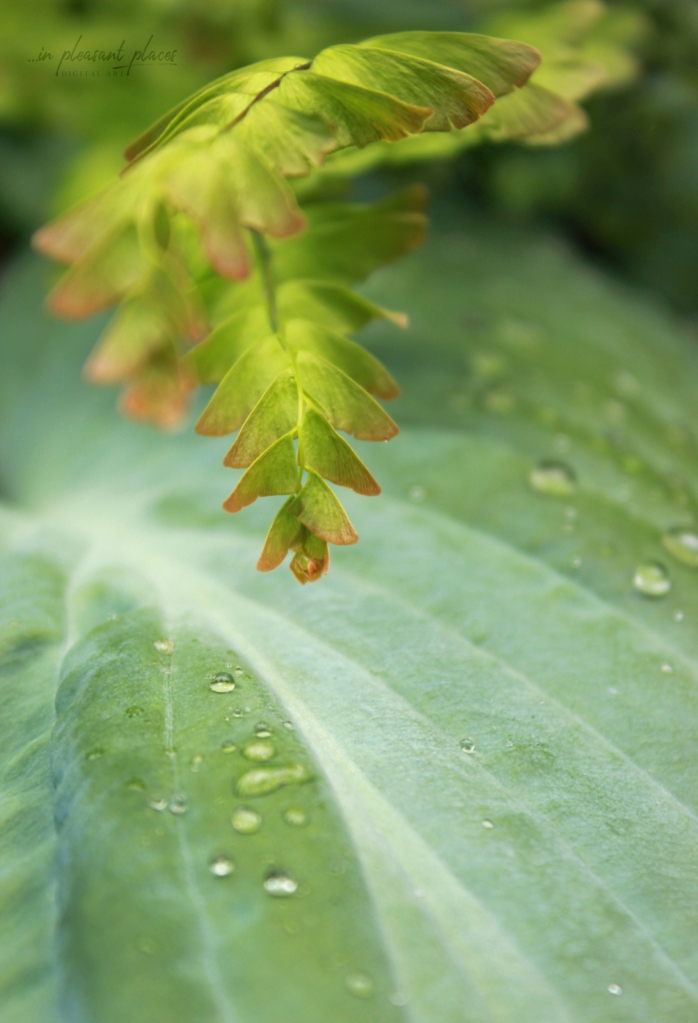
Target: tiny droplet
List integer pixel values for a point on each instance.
(196, 762)
(487, 824)
(555, 478)
(228, 746)
(177, 804)
(280, 885)
(157, 802)
(259, 750)
(360, 985)
(417, 494)
(94, 754)
(164, 646)
(221, 866)
(615, 989)
(262, 730)
(246, 821)
(678, 616)
(652, 579)
(667, 669)
(467, 745)
(296, 818)
(682, 544)
(223, 682)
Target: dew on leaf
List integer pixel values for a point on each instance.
(246, 821)
(221, 866)
(228, 746)
(615, 989)
(260, 749)
(667, 669)
(223, 682)
(264, 780)
(487, 824)
(576, 562)
(289, 725)
(678, 616)
(467, 745)
(360, 985)
(555, 478)
(157, 802)
(296, 818)
(682, 544)
(177, 803)
(652, 579)
(262, 730)
(280, 885)
(136, 785)
(164, 646)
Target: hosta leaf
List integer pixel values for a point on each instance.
(275, 414)
(351, 358)
(242, 387)
(483, 657)
(455, 99)
(318, 509)
(331, 457)
(500, 64)
(347, 405)
(273, 472)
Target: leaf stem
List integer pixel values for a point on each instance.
(266, 269)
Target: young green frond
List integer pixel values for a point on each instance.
(222, 278)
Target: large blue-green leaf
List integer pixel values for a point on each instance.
(494, 720)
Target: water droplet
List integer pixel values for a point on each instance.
(576, 562)
(553, 478)
(615, 989)
(177, 803)
(94, 754)
(360, 985)
(260, 749)
(223, 682)
(417, 494)
(268, 779)
(134, 712)
(570, 513)
(487, 824)
(238, 712)
(296, 818)
(678, 616)
(136, 785)
(280, 885)
(652, 579)
(239, 672)
(246, 821)
(289, 725)
(157, 802)
(399, 999)
(467, 745)
(164, 646)
(682, 544)
(667, 669)
(221, 866)
(262, 730)
(196, 762)
(228, 746)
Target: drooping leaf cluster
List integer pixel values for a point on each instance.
(204, 199)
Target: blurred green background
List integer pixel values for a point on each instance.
(623, 191)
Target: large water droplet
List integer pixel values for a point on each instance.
(682, 544)
(246, 821)
(280, 885)
(556, 478)
(652, 579)
(467, 745)
(221, 866)
(177, 803)
(223, 682)
(296, 818)
(260, 749)
(615, 989)
(360, 985)
(268, 779)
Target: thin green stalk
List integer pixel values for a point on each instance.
(266, 269)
